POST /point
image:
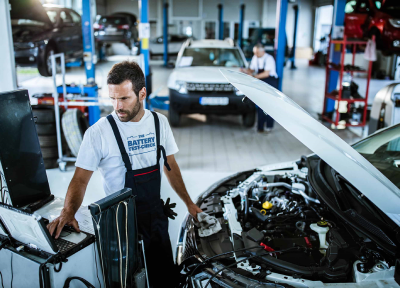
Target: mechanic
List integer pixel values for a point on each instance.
(263, 67)
(105, 147)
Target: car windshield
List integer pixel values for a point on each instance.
(388, 5)
(383, 151)
(113, 20)
(216, 57)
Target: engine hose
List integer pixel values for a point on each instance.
(246, 207)
(257, 213)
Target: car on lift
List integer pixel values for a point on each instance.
(381, 18)
(331, 219)
(38, 31)
(197, 86)
(156, 46)
(117, 28)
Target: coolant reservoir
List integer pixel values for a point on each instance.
(321, 227)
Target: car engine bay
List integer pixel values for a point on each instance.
(281, 233)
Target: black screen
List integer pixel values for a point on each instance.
(20, 154)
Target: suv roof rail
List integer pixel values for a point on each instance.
(230, 41)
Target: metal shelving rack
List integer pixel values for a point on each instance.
(344, 42)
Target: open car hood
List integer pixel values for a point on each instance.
(29, 10)
(327, 145)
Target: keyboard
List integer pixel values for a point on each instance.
(63, 245)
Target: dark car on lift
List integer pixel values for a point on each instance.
(38, 31)
(117, 28)
(365, 18)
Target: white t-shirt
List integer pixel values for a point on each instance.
(99, 148)
(266, 61)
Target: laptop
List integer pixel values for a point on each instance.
(30, 231)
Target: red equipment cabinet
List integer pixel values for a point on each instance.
(341, 70)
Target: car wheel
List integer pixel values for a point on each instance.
(249, 119)
(174, 117)
(45, 68)
(74, 125)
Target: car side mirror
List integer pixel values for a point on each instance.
(171, 64)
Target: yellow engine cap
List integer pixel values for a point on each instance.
(263, 211)
(322, 223)
(267, 205)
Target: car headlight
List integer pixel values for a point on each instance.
(238, 92)
(395, 22)
(180, 86)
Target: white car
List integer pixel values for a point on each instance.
(197, 86)
(331, 219)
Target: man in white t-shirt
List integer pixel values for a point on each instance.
(263, 67)
(131, 147)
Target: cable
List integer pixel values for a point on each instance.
(245, 259)
(1, 275)
(219, 255)
(95, 261)
(98, 232)
(123, 284)
(12, 272)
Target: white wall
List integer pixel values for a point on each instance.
(305, 24)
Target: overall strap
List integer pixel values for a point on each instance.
(121, 146)
(160, 149)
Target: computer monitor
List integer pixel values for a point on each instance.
(20, 154)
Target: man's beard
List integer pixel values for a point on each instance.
(129, 114)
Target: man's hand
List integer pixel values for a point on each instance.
(193, 210)
(167, 207)
(66, 218)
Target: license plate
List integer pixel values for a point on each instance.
(214, 101)
(111, 29)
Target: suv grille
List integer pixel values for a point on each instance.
(218, 87)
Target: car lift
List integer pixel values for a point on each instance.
(280, 39)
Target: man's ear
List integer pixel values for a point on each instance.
(142, 94)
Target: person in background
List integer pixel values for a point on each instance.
(263, 67)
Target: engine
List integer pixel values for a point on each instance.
(277, 224)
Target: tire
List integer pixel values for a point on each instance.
(249, 119)
(45, 67)
(46, 129)
(174, 117)
(48, 141)
(49, 152)
(74, 125)
(44, 116)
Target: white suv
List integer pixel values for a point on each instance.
(197, 86)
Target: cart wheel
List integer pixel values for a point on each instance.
(62, 166)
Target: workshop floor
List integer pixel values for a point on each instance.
(210, 147)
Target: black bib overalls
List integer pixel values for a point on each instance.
(152, 222)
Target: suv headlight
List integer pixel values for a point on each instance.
(180, 86)
(395, 22)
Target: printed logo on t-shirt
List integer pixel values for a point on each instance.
(141, 144)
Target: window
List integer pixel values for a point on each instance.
(350, 6)
(220, 57)
(383, 151)
(363, 6)
(64, 15)
(52, 15)
(75, 17)
(209, 30)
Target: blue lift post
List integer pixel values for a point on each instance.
(281, 39)
(88, 52)
(241, 21)
(221, 21)
(338, 20)
(144, 40)
(165, 33)
(296, 18)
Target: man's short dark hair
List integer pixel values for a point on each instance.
(127, 70)
(259, 46)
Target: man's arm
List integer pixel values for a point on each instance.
(262, 75)
(73, 200)
(175, 180)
